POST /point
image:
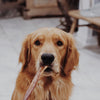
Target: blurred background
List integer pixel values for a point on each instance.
(21, 17)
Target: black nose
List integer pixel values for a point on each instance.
(47, 58)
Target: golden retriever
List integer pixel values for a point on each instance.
(54, 48)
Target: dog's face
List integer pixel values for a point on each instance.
(49, 47)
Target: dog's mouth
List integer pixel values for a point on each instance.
(48, 70)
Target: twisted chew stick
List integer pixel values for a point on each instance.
(34, 82)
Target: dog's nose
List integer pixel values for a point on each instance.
(47, 58)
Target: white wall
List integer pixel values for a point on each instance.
(85, 34)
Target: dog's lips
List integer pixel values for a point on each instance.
(48, 70)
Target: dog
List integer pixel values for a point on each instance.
(50, 47)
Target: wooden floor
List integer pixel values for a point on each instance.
(12, 32)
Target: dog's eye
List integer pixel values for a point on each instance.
(59, 43)
(37, 43)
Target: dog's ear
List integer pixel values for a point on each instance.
(25, 54)
(72, 55)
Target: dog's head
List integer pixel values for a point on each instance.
(50, 47)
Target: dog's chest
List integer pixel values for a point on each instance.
(58, 90)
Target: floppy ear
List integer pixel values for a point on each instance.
(25, 53)
(72, 55)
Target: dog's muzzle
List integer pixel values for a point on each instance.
(47, 60)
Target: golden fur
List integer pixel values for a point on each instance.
(49, 87)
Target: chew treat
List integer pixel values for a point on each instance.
(34, 82)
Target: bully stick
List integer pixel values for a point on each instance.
(34, 82)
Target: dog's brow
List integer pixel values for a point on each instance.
(58, 37)
(36, 36)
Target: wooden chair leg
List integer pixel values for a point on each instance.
(73, 26)
(98, 38)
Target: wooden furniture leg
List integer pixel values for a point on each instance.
(98, 38)
(73, 26)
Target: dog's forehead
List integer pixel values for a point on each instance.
(48, 32)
